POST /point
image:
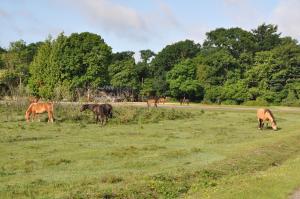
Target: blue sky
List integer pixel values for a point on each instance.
(141, 24)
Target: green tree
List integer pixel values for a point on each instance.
(167, 58)
(234, 40)
(83, 59)
(77, 61)
(275, 71)
(173, 54)
(15, 61)
(45, 75)
(146, 55)
(123, 71)
(216, 66)
(266, 37)
(182, 81)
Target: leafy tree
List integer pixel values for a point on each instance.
(274, 71)
(83, 59)
(15, 61)
(234, 40)
(143, 69)
(214, 67)
(146, 55)
(182, 81)
(173, 54)
(77, 61)
(167, 58)
(147, 87)
(266, 37)
(44, 78)
(2, 52)
(123, 71)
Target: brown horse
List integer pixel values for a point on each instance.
(265, 115)
(37, 108)
(100, 110)
(162, 100)
(184, 101)
(153, 101)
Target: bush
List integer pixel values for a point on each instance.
(71, 113)
(258, 102)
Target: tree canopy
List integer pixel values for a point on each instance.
(232, 66)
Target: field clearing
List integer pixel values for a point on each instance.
(213, 153)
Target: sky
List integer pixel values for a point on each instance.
(141, 24)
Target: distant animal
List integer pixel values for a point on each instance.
(38, 108)
(101, 111)
(153, 101)
(265, 115)
(162, 100)
(184, 101)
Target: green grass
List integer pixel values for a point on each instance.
(144, 153)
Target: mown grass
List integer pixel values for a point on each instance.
(161, 153)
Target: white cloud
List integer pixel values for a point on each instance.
(125, 21)
(287, 16)
(243, 13)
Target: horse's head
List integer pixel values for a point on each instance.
(274, 125)
(84, 107)
(27, 116)
(269, 115)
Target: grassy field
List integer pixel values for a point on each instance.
(141, 153)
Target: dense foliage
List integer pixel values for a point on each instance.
(232, 66)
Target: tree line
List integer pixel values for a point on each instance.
(232, 66)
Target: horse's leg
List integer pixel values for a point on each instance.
(50, 116)
(101, 120)
(259, 123)
(33, 116)
(97, 118)
(105, 120)
(36, 115)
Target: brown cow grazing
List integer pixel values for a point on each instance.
(265, 115)
(38, 108)
(100, 110)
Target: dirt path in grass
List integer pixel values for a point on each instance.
(296, 195)
(209, 107)
(193, 106)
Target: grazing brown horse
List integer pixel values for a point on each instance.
(38, 108)
(265, 115)
(153, 101)
(100, 110)
(162, 100)
(184, 101)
